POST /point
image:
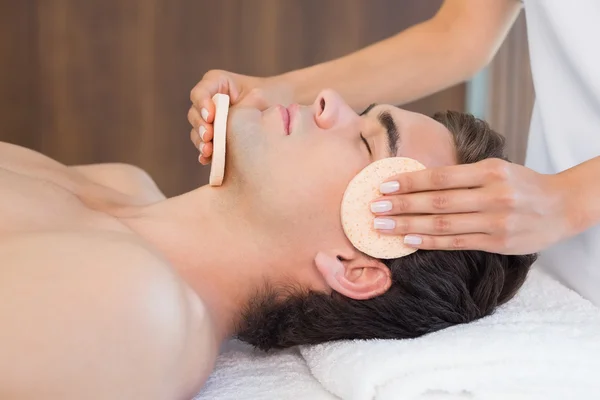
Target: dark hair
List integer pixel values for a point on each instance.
(431, 290)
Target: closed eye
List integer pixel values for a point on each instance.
(366, 143)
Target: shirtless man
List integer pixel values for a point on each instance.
(111, 291)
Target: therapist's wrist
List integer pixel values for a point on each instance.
(303, 84)
(569, 198)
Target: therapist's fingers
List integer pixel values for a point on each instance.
(194, 118)
(448, 177)
(474, 241)
(203, 129)
(206, 150)
(206, 134)
(204, 160)
(195, 138)
(434, 202)
(213, 82)
(201, 97)
(202, 135)
(453, 224)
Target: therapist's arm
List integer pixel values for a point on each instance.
(449, 48)
(583, 187)
(443, 51)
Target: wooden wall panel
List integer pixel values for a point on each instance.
(109, 80)
(511, 94)
(19, 105)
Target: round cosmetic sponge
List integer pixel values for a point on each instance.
(217, 169)
(357, 218)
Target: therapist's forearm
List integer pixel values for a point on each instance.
(428, 57)
(395, 71)
(581, 185)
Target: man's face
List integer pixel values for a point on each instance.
(293, 164)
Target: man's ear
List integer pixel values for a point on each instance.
(354, 274)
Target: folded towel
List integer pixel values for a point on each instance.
(543, 344)
(242, 373)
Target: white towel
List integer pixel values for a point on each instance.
(543, 344)
(242, 373)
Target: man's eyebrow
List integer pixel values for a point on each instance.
(385, 119)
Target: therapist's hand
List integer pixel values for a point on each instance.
(491, 205)
(253, 91)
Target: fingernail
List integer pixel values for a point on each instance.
(201, 147)
(204, 114)
(381, 206)
(202, 132)
(383, 223)
(414, 240)
(389, 187)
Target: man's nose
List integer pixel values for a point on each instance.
(331, 110)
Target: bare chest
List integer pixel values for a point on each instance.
(37, 204)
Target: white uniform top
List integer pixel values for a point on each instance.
(564, 40)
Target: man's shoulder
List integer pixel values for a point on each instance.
(130, 314)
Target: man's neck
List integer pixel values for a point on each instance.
(205, 237)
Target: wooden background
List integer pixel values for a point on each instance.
(511, 93)
(109, 80)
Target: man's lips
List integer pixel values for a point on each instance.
(287, 115)
(292, 112)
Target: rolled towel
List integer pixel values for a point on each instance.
(543, 344)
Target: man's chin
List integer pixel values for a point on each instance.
(240, 162)
(231, 175)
